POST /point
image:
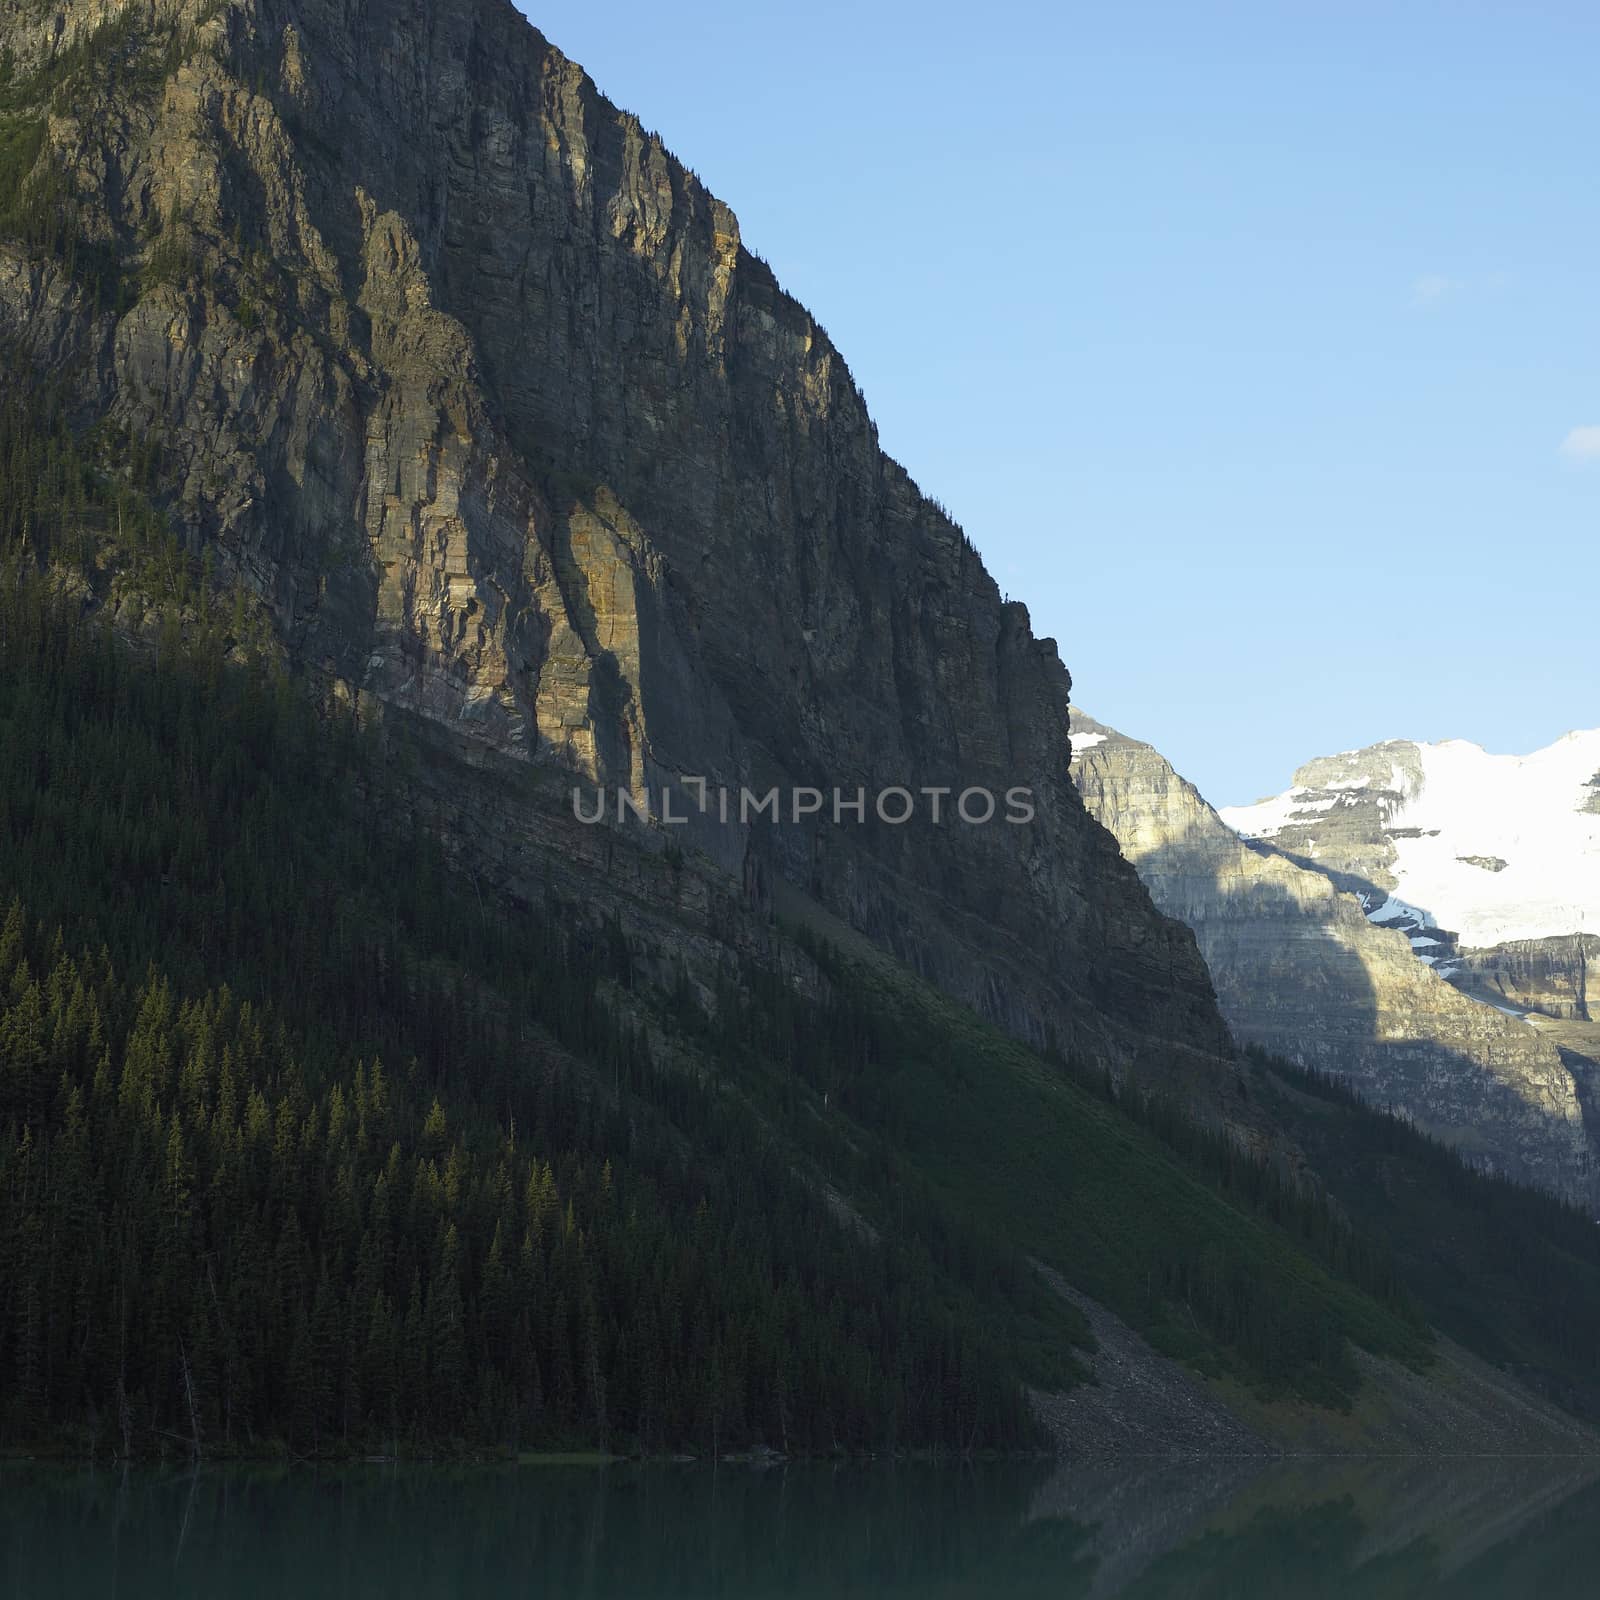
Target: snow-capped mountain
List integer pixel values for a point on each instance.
(1450, 838)
(1319, 966)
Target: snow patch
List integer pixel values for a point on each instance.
(1267, 817)
(1523, 810)
(1469, 807)
(1397, 913)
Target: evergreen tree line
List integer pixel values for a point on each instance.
(1511, 1271)
(856, 1049)
(224, 1216)
(199, 1244)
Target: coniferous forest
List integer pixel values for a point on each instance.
(303, 1149)
(370, 1209)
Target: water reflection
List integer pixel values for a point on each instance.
(1229, 1530)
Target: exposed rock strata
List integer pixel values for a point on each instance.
(1553, 976)
(1300, 970)
(480, 392)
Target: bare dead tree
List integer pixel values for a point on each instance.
(188, 1390)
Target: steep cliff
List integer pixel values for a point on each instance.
(1463, 849)
(1300, 970)
(1552, 976)
(1489, 864)
(478, 391)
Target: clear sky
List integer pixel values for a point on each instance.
(1252, 344)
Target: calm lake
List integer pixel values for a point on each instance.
(1378, 1530)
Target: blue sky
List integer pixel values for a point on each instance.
(1247, 342)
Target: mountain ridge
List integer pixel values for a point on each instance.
(1426, 821)
(1306, 969)
(1490, 863)
(482, 398)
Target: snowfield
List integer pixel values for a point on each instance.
(1525, 810)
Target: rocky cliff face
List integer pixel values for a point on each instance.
(1300, 970)
(1552, 976)
(1489, 864)
(451, 364)
(1465, 850)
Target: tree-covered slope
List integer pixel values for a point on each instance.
(319, 1133)
(1511, 1273)
(304, 1139)
(294, 1126)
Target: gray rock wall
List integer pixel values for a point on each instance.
(1300, 971)
(480, 391)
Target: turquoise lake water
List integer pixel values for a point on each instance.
(1240, 1530)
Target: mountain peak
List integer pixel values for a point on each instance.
(1316, 958)
(1418, 820)
(482, 397)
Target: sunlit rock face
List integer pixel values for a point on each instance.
(1471, 853)
(1490, 864)
(1556, 977)
(1302, 970)
(480, 392)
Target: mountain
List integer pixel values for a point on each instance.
(399, 434)
(1490, 863)
(1303, 968)
(478, 393)
(401, 451)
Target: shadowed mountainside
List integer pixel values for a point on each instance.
(478, 391)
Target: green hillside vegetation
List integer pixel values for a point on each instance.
(303, 1142)
(1204, 1248)
(1510, 1272)
(292, 1127)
